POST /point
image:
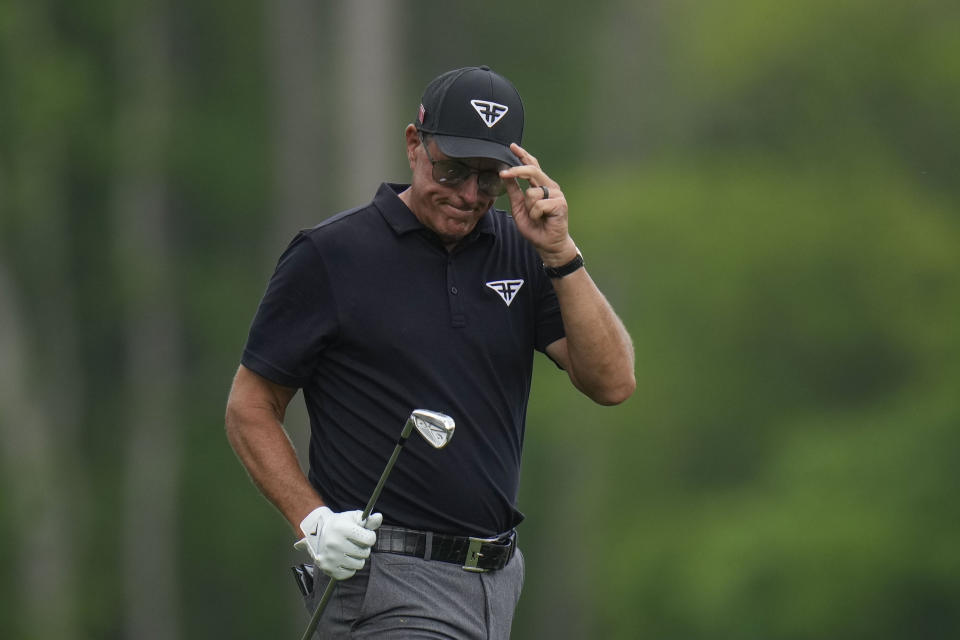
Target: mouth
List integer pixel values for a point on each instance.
(459, 212)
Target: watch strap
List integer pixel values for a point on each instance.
(565, 269)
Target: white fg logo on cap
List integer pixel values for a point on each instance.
(489, 112)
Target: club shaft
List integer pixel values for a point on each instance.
(315, 620)
(383, 480)
(332, 584)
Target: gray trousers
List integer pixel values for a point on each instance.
(396, 596)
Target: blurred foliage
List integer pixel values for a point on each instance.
(789, 469)
(765, 191)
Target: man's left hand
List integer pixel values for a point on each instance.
(540, 211)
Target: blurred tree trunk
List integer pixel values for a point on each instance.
(153, 333)
(300, 126)
(366, 101)
(40, 382)
(331, 140)
(330, 143)
(629, 83)
(44, 542)
(335, 99)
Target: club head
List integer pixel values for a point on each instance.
(435, 427)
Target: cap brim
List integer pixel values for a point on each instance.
(457, 147)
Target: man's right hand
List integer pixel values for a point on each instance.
(338, 542)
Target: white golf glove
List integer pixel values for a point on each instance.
(338, 543)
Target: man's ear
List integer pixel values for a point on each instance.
(413, 141)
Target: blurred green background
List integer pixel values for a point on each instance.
(767, 192)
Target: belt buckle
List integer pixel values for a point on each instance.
(474, 555)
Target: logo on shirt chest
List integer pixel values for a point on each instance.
(506, 289)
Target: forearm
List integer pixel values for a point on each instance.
(600, 357)
(597, 352)
(262, 445)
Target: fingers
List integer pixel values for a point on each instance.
(343, 568)
(347, 554)
(351, 562)
(529, 169)
(343, 543)
(356, 555)
(543, 193)
(514, 192)
(340, 574)
(525, 156)
(341, 562)
(542, 198)
(350, 529)
(373, 522)
(539, 206)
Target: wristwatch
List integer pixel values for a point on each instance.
(564, 269)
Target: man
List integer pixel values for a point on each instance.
(430, 298)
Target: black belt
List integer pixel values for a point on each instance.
(473, 554)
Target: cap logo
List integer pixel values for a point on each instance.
(489, 112)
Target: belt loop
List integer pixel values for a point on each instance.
(429, 546)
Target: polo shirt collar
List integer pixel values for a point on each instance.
(398, 215)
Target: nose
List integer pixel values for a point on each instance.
(469, 189)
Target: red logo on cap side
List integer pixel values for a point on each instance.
(421, 114)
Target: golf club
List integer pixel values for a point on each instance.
(437, 429)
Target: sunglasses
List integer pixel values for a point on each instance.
(450, 173)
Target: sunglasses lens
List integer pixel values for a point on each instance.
(490, 183)
(450, 173)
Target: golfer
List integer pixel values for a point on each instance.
(425, 298)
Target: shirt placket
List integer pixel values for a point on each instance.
(458, 318)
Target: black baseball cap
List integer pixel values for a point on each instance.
(472, 112)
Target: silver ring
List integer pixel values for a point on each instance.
(546, 192)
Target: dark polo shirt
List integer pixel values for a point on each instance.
(372, 318)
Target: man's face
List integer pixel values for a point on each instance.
(449, 211)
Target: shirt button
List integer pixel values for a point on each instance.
(454, 290)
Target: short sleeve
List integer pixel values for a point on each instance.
(549, 322)
(296, 319)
